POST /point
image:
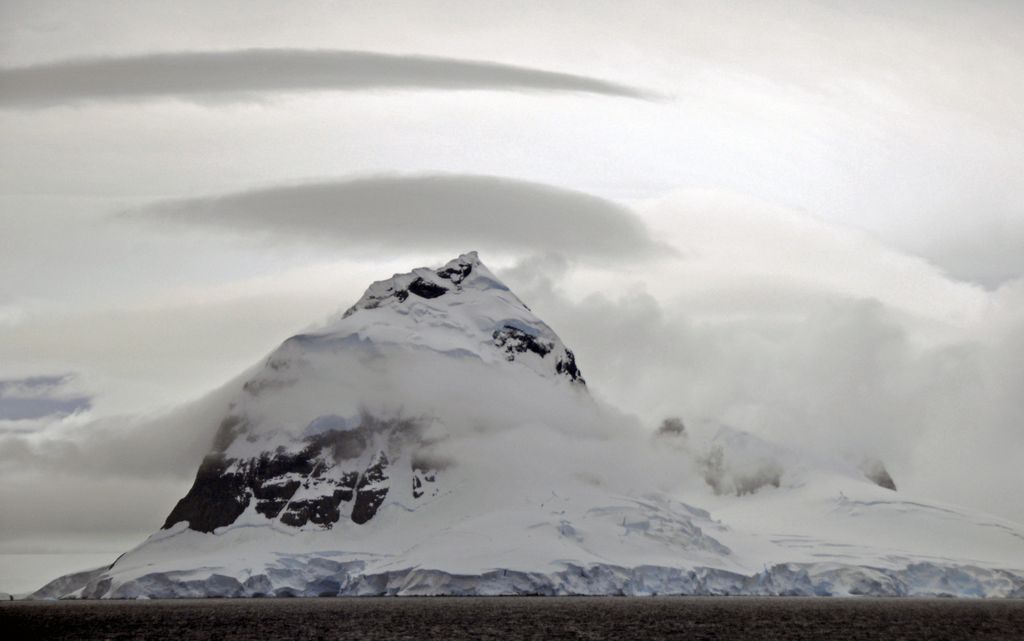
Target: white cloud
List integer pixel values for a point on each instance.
(374, 215)
(813, 335)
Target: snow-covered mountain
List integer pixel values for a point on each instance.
(439, 438)
(324, 433)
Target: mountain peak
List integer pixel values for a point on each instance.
(460, 308)
(426, 283)
(331, 429)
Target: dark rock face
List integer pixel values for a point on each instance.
(425, 289)
(309, 486)
(456, 273)
(672, 426)
(875, 472)
(323, 510)
(372, 489)
(216, 499)
(567, 365)
(513, 340)
(422, 483)
(271, 498)
(884, 480)
(419, 287)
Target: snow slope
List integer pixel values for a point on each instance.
(438, 438)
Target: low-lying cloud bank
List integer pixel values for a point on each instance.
(240, 74)
(809, 335)
(432, 212)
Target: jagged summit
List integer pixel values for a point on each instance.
(460, 308)
(466, 271)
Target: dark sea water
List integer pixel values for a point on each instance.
(517, 618)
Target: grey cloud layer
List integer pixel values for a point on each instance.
(39, 396)
(447, 212)
(237, 73)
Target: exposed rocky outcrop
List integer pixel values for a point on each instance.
(373, 487)
(426, 289)
(874, 470)
(513, 340)
(672, 427)
(460, 276)
(216, 498)
(745, 479)
(310, 486)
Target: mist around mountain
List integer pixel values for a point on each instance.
(438, 437)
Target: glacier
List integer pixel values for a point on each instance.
(319, 576)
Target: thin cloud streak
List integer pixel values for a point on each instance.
(242, 73)
(443, 212)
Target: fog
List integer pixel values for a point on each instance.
(863, 353)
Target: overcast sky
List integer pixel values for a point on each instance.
(803, 219)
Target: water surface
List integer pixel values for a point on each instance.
(457, 618)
